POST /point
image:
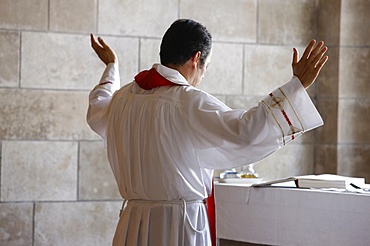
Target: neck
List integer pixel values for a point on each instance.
(185, 70)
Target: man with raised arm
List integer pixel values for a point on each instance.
(164, 137)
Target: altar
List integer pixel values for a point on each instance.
(292, 216)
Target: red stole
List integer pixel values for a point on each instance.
(149, 79)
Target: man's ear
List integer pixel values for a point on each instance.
(195, 59)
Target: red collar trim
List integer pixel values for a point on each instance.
(149, 79)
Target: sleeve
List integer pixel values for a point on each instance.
(292, 110)
(225, 138)
(100, 97)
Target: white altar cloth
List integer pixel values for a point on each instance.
(292, 216)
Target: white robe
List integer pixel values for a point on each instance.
(164, 143)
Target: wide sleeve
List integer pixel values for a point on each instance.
(292, 110)
(100, 97)
(225, 138)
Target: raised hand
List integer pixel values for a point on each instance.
(312, 61)
(105, 53)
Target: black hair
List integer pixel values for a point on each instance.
(182, 40)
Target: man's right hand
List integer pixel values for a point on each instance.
(308, 67)
(105, 53)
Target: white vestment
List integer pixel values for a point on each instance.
(164, 143)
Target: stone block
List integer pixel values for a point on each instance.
(286, 21)
(293, 159)
(353, 121)
(76, 224)
(127, 50)
(328, 21)
(9, 59)
(96, 180)
(326, 158)
(24, 15)
(149, 52)
(231, 21)
(354, 23)
(16, 224)
(327, 82)
(224, 74)
(44, 115)
(70, 62)
(266, 68)
(328, 133)
(354, 72)
(73, 16)
(41, 171)
(144, 18)
(353, 160)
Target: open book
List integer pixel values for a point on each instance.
(318, 181)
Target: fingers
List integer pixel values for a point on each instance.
(93, 41)
(94, 44)
(317, 48)
(104, 52)
(318, 56)
(295, 56)
(321, 63)
(314, 53)
(308, 67)
(308, 50)
(102, 42)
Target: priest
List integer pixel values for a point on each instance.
(164, 136)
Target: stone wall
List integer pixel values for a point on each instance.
(56, 184)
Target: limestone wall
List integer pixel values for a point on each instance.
(56, 184)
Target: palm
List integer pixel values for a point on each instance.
(309, 66)
(104, 52)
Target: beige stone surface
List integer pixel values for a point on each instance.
(224, 74)
(293, 159)
(36, 114)
(354, 72)
(56, 185)
(266, 68)
(231, 21)
(73, 16)
(133, 18)
(16, 224)
(96, 180)
(9, 58)
(149, 52)
(20, 14)
(68, 61)
(326, 158)
(327, 82)
(329, 14)
(41, 171)
(286, 21)
(354, 23)
(353, 161)
(127, 50)
(76, 223)
(328, 133)
(353, 121)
